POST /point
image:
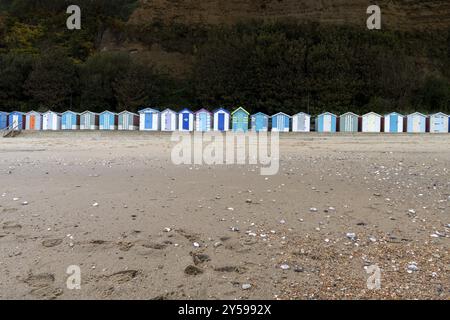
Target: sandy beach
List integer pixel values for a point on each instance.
(140, 227)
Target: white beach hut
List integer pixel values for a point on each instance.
(371, 122)
(89, 120)
(149, 119)
(417, 122)
(221, 120)
(301, 122)
(393, 123)
(439, 123)
(51, 121)
(169, 120)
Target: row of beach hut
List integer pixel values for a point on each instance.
(168, 120)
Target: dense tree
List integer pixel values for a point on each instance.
(14, 71)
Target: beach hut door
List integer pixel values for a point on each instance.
(15, 121)
(300, 122)
(185, 121)
(202, 121)
(148, 120)
(393, 123)
(259, 123)
(221, 122)
(438, 124)
(32, 122)
(168, 121)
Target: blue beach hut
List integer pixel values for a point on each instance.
(186, 120)
(108, 120)
(281, 122)
(221, 120)
(203, 120)
(260, 122)
(149, 120)
(16, 119)
(417, 123)
(3, 120)
(326, 122)
(240, 119)
(70, 120)
(393, 123)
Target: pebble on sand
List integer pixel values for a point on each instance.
(246, 286)
(285, 267)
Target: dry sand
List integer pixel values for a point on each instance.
(393, 192)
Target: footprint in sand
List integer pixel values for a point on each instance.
(49, 243)
(42, 285)
(11, 226)
(123, 276)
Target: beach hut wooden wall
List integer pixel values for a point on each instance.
(203, 120)
(371, 122)
(33, 121)
(416, 122)
(89, 120)
(51, 121)
(17, 120)
(3, 120)
(149, 120)
(70, 120)
(240, 119)
(108, 120)
(281, 122)
(439, 123)
(393, 123)
(348, 122)
(326, 122)
(128, 121)
(221, 120)
(169, 121)
(186, 120)
(301, 122)
(260, 122)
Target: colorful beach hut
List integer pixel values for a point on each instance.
(326, 122)
(393, 122)
(371, 122)
(186, 120)
(149, 119)
(240, 119)
(417, 123)
(169, 120)
(128, 121)
(301, 122)
(108, 120)
(33, 121)
(260, 122)
(70, 120)
(221, 120)
(16, 120)
(348, 122)
(89, 120)
(203, 120)
(3, 120)
(281, 122)
(51, 121)
(439, 123)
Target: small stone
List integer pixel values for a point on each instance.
(313, 209)
(25, 203)
(193, 270)
(298, 269)
(196, 244)
(246, 286)
(285, 267)
(351, 236)
(16, 199)
(412, 267)
(167, 229)
(234, 229)
(248, 201)
(217, 244)
(95, 204)
(230, 209)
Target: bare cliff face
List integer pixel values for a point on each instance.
(396, 14)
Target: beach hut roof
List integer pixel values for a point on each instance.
(299, 113)
(349, 114)
(327, 113)
(107, 111)
(168, 110)
(281, 114)
(70, 111)
(202, 110)
(260, 114)
(32, 111)
(87, 111)
(186, 110)
(221, 109)
(417, 113)
(128, 112)
(50, 111)
(439, 114)
(372, 113)
(396, 113)
(148, 110)
(18, 112)
(240, 109)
